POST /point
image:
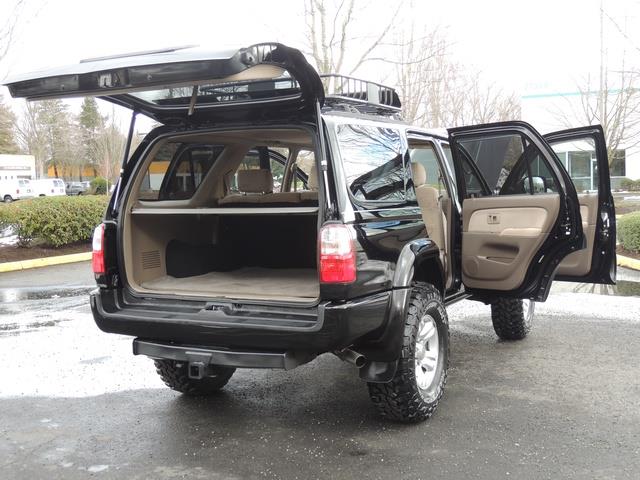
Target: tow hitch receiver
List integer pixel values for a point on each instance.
(197, 370)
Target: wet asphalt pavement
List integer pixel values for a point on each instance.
(75, 403)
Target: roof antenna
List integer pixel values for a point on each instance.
(192, 102)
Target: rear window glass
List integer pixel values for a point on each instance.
(220, 92)
(177, 170)
(373, 161)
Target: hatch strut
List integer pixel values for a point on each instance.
(192, 102)
(125, 157)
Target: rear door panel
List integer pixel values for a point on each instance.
(583, 152)
(501, 236)
(520, 217)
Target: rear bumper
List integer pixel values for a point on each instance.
(316, 329)
(214, 356)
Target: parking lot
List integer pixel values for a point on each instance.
(74, 402)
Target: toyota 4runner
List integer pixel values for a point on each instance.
(276, 215)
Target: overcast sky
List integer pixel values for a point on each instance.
(532, 46)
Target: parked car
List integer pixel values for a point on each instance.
(15, 189)
(48, 187)
(77, 188)
(376, 228)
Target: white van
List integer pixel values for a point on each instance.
(48, 187)
(15, 189)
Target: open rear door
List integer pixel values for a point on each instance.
(583, 151)
(192, 85)
(520, 212)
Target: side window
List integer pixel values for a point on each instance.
(156, 171)
(187, 171)
(579, 159)
(177, 170)
(510, 164)
(373, 161)
(305, 161)
(266, 158)
(448, 157)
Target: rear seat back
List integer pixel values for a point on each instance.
(256, 186)
(255, 181)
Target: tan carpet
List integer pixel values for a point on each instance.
(290, 284)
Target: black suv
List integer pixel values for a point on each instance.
(276, 215)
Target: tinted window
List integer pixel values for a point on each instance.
(177, 170)
(373, 160)
(509, 163)
(305, 161)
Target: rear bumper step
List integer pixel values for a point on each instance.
(229, 358)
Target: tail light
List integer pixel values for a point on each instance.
(97, 257)
(337, 254)
(17, 191)
(52, 190)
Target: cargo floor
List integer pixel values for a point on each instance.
(255, 283)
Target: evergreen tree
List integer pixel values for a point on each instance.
(91, 125)
(7, 130)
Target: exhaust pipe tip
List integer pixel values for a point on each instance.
(351, 356)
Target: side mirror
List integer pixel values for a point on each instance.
(539, 185)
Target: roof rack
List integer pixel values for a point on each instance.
(360, 94)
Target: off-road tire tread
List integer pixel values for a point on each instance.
(399, 400)
(174, 375)
(508, 319)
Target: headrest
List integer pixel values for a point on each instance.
(312, 179)
(255, 181)
(418, 173)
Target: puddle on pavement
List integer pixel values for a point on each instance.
(9, 295)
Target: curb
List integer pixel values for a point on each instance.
(622, 261)
(45, 262)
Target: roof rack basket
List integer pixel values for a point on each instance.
(363, 92)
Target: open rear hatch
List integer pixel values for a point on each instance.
(175, 85)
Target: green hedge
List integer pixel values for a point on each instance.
(56, 221)
(629, 231)
(99, 186)
(630, 185)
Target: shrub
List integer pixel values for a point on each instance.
(629, 231)
(99, 186)
(57, 221)
(630, 185)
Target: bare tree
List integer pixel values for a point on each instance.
(612, 101)
(109, 147)
(8, 29)
(613, 104)
(437, 91)
(32, 137)
(46, 130)
(330, 34)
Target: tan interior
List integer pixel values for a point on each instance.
(431, 208)
(501, 235)
(249, 282)
(147, 237)
(579, 263)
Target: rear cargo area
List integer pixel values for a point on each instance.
(239, 256)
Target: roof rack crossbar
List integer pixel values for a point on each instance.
(356, 89)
